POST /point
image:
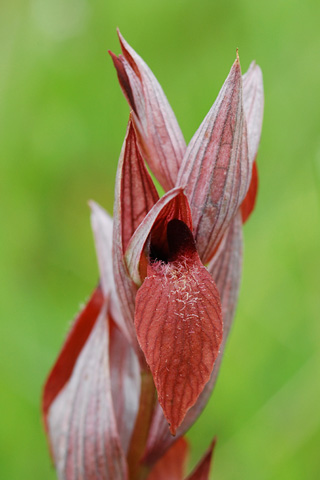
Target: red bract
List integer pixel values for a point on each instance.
(142, 357)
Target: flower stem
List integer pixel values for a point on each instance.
(137, 470)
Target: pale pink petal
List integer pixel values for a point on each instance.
(173, 204)
(135, 194)
(253, 103)
(102, 227)
(159, 134)
(76, 339)
(216, 166)
(81, 420)
(125, 384)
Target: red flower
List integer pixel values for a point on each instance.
(165, 303)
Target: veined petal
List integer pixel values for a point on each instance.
(159, 134)
(225, 269)
(253, 104)
(179, 325)
(202, 470)
(125, 384)
(102, 230)
(71, 349)
(81, 420)
(173, 205)
(249, 202)
(172, 465)
(216, 166)
(135, 194)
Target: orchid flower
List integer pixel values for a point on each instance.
(142, 357)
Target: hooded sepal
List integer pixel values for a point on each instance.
(153, 231)
(159, 134)
(135, 194)
(81, 421)
(76, 339)
(102, 227)
(125, 384)
(216, 166)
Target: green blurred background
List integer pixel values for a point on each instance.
(63, 119)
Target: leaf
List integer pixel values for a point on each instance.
(216, 167)
(81, 419)
(159, 134)
(172, 465)
(179, 325)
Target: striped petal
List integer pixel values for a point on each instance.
(102, 228)
(253, 104)
(81, 420)
(160, 137)
(76, 339)
(125, 384)
(216, 166)
(135, 195)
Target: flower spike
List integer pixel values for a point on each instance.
(146, 349)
